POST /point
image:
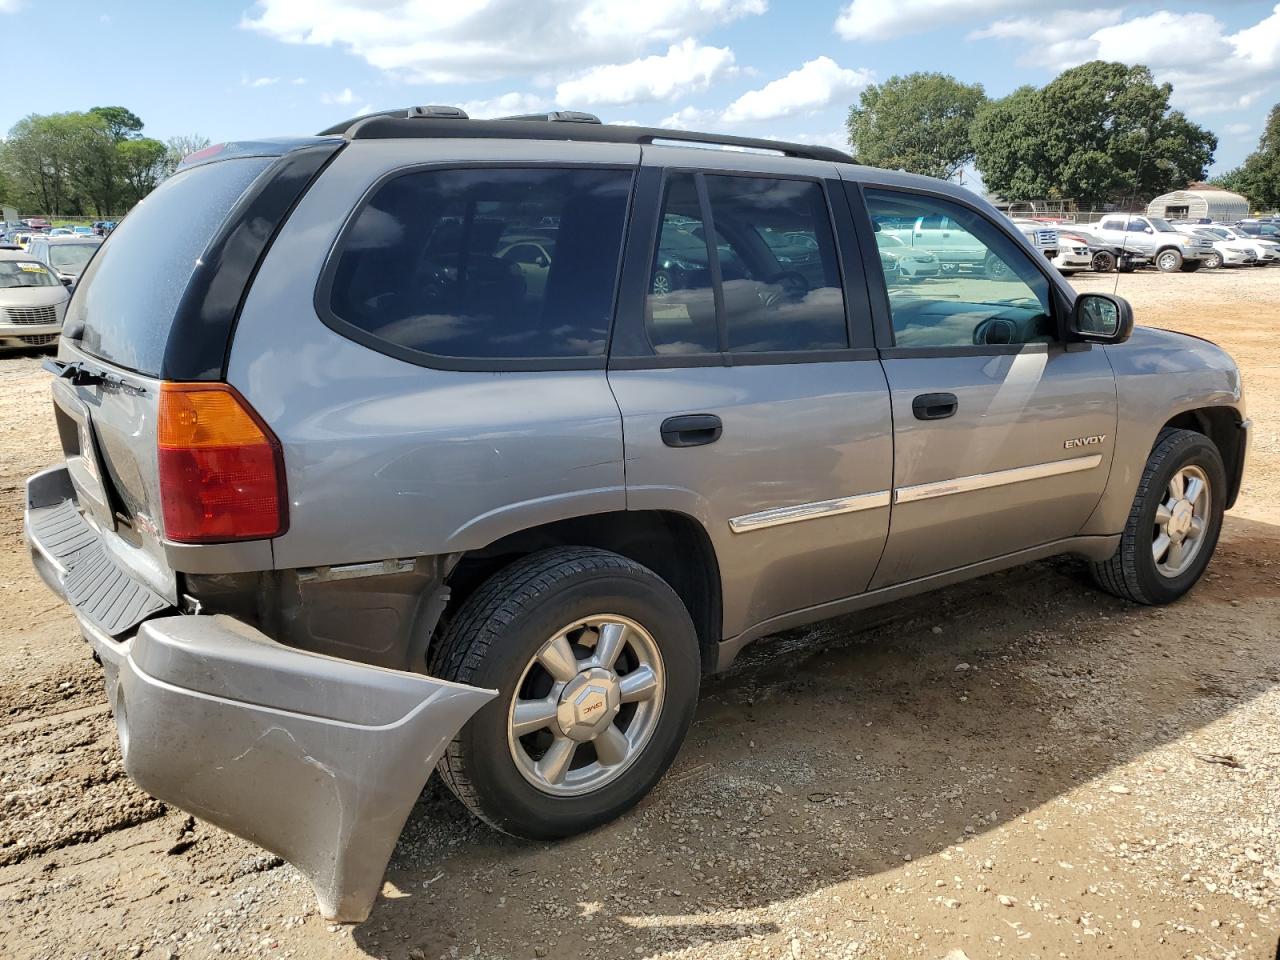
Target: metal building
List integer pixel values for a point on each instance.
(1200, 200)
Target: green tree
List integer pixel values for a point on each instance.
(179, 147)
(121, 124)
(1100, 131)
(1259, 177)
(142, 164)
(920, 123)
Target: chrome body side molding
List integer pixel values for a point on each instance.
(809, 511)
(984, 481)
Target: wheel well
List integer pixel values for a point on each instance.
(1222, 426)
(672, 545)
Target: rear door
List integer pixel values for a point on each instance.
(750, 397)
(1002, 432)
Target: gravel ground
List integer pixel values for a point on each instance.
(1019, 766)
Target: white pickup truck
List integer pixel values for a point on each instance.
(1153, 238)
(956, 248)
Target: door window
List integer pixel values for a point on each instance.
(775, 252)
(1137, 226)
(486, 263)
(996, 297)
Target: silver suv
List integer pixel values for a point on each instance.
(431, 443)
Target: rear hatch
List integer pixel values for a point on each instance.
(158, 304)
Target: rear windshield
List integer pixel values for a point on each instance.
(20, 273)
(127, 298)
(71, 257)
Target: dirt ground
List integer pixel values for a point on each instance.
(1016, 767)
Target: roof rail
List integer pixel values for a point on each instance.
(560, 125)
(557, 116)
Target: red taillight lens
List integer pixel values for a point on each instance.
(221, 471)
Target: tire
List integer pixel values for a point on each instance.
(494, 641)
(1169, 261)
(1133, 573)
(1191, 266)
(1125, 267)
(1212, 262)
(662, 284)
(1104, 261)
(997, 269)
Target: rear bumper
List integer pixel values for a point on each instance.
(314, 758)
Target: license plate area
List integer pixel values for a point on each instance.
(84, 462)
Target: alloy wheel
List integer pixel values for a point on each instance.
(1181, 521)
(586, 705)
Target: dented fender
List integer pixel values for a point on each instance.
(316, 759)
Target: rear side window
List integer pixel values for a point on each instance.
(130, 292)
(779, 289)
(484, 264)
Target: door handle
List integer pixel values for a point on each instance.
(691, 430)
(935, 406)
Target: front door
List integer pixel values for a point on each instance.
(1003, 433)
(751, 396)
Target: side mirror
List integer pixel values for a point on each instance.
(1101, 318)
(1148, 230)
(67, 281)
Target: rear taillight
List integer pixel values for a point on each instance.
(221, 470)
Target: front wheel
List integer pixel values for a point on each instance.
(1174, 523)
(1169, 261)
(1104, 261)
(1212, 262)
(596, 664)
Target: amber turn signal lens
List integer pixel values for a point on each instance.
(221, 468)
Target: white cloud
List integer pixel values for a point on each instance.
(1237, 129)
(884, 19)
(256, 82)
(298, 81)
(1054, 42)
(685, 68)
(506, 105)
(1211, 70)
(10, 6)
(817, 84)
(478, 40)
(690, 118)
(346, 96)
(1163, 39)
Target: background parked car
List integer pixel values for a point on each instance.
(1152, 237)
(65, 256)
(907, 263)
(1227, 251)
(32, 303)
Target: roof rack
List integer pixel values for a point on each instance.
(452, 122)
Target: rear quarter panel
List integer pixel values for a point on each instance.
(386, 458)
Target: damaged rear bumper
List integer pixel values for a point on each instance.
(314, 758)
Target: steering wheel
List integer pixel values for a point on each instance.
(794, 288)
(994, 330)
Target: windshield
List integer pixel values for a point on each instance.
(1162, 225)
(888, 240)
(1225, 234)
(71, 257)
(22, 273)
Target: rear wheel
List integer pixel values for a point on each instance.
(1169, 261)
(1174, 523)
(596, 664)
(1104, 261)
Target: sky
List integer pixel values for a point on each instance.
(780, 68)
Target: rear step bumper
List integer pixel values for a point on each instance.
(317, 759)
